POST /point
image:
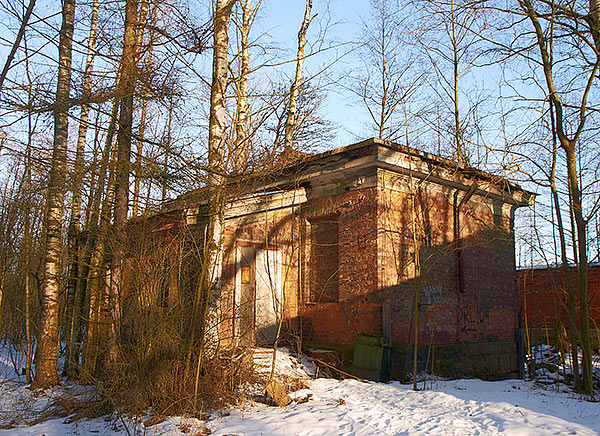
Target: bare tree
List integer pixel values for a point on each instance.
(389, 76)
(46, 373)
(144, 97)
(217, 138)
(17, 42)
(75, 300)
(569, 142)
(127, 87)
(449, 34)
(291, 120)
(559, 41)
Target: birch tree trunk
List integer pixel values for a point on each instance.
(216, 171)
(216, 151)
(290, 123)
(46, 373)
(241, 147)
(74, 298)
(167, 145)
(95, 264)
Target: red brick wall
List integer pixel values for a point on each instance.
(359, 306)
(376, 264)
(485, 310)
(543, 295)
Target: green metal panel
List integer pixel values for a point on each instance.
(370, 357)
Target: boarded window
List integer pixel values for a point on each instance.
(325, 255)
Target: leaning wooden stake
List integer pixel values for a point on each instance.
(427, 361)
(416, 281)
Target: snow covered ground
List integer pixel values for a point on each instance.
(347, 407)
(461, 407)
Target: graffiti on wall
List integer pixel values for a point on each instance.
(434, 295)
(471, 316)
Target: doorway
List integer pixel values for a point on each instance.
(258, 295)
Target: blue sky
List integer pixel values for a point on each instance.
(279, 20)
(283, 18)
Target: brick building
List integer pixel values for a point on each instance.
(543, 300)
(335, 244)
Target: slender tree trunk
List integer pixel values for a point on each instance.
(241, 147)
(17, 42)
(572, 332)
(383, 103)
(582, 270)
(27, 224)
(594, 20)
(290, 124)
(135, 207)
(97, 256)
(167, 152)
(74, 299)
(216, 170)
(128, 78)
(218, 123)
(2, 276)
(571, 309)
(83, 282)
(94, 252)
(47, 351)
(455, 75)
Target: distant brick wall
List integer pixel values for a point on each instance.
(543, 296)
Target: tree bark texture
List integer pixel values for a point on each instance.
(240, 146)
(127, 86)
(46, 373)
(217, 137)
(216, 155)
(290, 123)
(96, 256)
(75, 299)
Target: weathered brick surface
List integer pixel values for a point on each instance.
(276, 230)
(543, 297)
(485, 310)
(467, 295)
(359, 307)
